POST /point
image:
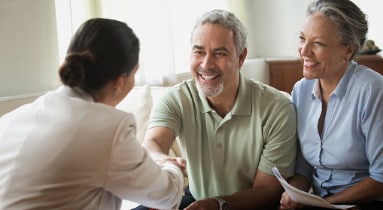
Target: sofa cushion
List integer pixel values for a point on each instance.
(255, 68)
(139, 102)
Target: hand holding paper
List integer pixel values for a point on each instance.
(306, 198)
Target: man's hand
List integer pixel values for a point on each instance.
(178, 161)
(206, 204)
(161, 159)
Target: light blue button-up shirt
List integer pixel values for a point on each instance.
(351, 147)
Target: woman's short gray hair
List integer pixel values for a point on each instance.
(351, 23)
(228, 20)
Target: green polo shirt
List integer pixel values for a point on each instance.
(224, 154)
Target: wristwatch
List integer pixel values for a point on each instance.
(222, 203)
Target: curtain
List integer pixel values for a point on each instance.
(163, 27)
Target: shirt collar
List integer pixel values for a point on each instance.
(240, 106)
(341, 88)
(75, 92)
(205, 104)
(343, 84)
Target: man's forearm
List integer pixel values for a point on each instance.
(255, 198)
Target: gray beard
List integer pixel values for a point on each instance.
(210, 92)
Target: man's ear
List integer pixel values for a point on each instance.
(242, 57)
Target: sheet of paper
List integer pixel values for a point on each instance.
(305, 198)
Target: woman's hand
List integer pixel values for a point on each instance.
(178, 161)
(161, 159)
(287, 203)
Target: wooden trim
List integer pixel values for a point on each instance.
(283, 74)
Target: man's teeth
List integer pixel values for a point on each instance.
(205, 77)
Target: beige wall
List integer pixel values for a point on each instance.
(10, 104)
(29, 49)
(29, 52)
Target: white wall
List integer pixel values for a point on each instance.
(373, 10)
(273, 27)
(28, 52)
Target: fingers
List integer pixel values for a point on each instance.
(286, 203)
(161, 159)
(205, 204)
(181, 162)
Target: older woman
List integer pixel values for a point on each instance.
(340, 110)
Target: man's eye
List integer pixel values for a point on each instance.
(220, 54)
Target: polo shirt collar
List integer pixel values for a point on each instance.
(205, 106)
(242, 105)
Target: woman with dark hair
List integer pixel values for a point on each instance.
(339, 110)
(71, 149)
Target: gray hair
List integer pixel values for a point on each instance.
(228, 20)
(350, 22)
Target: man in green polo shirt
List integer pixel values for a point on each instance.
(232, 130)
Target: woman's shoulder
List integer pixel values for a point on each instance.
(362, 72)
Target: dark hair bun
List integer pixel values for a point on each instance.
(73, 71)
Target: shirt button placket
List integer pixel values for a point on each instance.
(219, 146)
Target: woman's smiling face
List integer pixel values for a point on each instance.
(322, 54)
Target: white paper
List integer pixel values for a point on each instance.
(306, 198)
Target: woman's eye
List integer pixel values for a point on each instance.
(319, 43)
